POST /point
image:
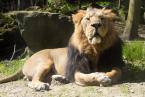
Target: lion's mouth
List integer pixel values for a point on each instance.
(96, 39)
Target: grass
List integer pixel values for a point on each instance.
(134, 57)
(134, 51)
(10, 67)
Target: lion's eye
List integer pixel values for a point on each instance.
(102, 18)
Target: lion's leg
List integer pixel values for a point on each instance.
(96, 78)
(38, 77)
(114, 74)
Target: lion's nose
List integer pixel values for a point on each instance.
(96, 25)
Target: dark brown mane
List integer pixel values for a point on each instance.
(75, 60)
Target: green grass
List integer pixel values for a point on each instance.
(10, 67)
(134, 57)
(134, 51)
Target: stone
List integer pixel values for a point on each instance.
(42, 30)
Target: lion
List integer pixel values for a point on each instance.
(93, 55)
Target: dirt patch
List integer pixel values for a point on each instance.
(20, 89)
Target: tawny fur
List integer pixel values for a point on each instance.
(56, 60)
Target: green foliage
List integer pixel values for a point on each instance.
(7, 23)
(59, 6)
(7, 19)
(104, 3)
(63, 6)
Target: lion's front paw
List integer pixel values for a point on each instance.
(59, 78)
(103, 79)
(38, 86)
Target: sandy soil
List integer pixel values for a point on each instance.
(20, 89)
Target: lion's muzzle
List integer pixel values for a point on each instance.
(96, 25)
(94, 37)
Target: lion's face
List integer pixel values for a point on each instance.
(95, 24)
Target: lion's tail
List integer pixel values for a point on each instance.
(15, 76)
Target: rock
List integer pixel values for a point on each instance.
(131, 90)
(42, 30)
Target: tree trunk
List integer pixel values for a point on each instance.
(18, 5)
(119, 4)
(130, 31)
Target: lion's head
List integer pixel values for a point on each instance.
(93, 27)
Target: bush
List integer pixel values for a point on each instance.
(60, 6)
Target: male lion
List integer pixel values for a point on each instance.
(93, 55)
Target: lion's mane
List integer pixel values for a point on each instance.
(82, 55)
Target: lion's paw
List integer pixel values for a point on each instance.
(38, 86)
(59, 78)
(103, 79)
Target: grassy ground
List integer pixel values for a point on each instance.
(134, 57)
(133, 53)
(9, 67)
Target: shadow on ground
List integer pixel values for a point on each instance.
(133, 74)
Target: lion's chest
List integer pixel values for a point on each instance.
(93, 63)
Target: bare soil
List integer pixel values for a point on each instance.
(20, 89)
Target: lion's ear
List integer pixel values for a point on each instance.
(78, 16)
(109, 14)
(74, 18)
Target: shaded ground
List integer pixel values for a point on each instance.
(20, 89)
